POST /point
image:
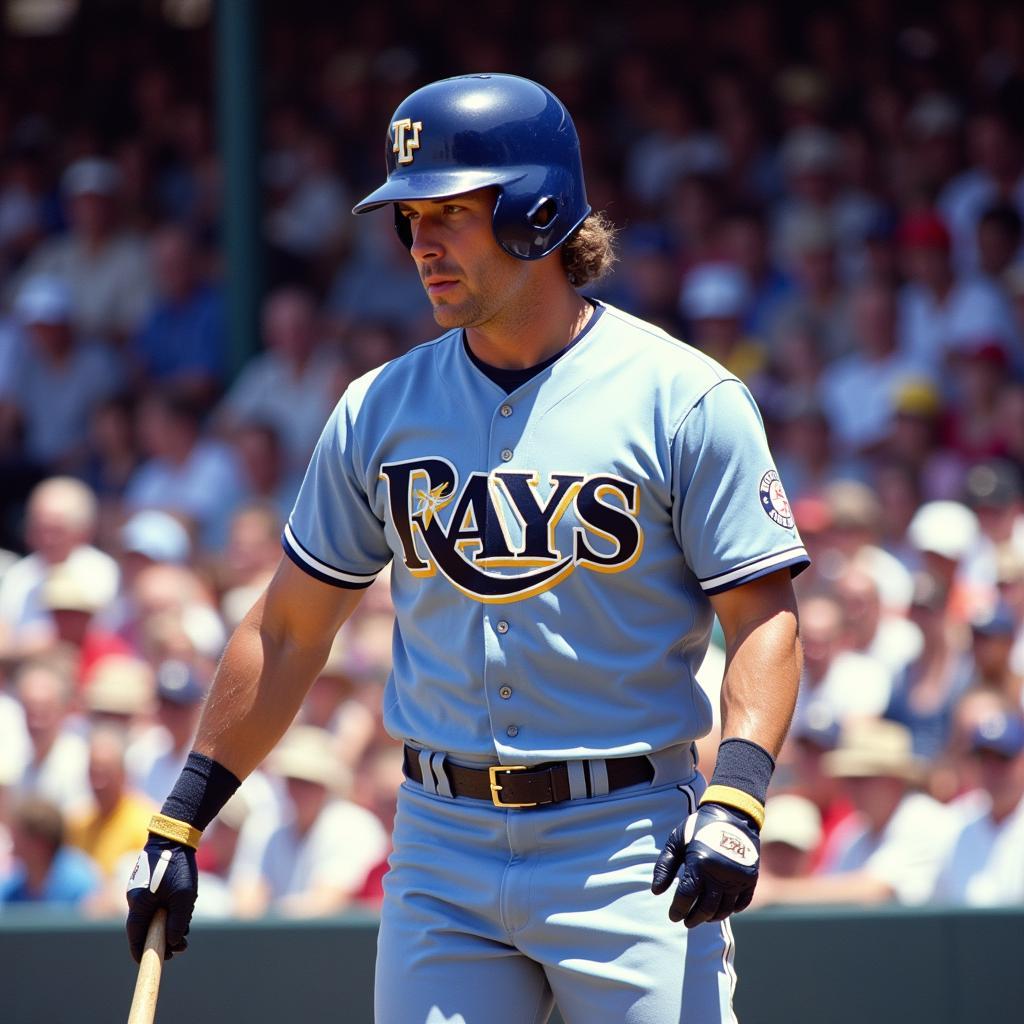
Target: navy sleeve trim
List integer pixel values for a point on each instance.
(321, 570)
(795, 559)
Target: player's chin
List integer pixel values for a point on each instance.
(452, 314)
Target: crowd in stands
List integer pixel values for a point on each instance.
(832, 206)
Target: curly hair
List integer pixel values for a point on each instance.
(590, 252)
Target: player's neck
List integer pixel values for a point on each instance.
(532, 331)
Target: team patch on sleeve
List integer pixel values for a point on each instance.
(774, 501)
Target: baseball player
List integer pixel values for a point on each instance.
(567, 496)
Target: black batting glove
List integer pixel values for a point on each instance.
(715, 854)
(165, 875)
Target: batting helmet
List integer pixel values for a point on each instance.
(474, 131)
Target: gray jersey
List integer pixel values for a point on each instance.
(553, 548)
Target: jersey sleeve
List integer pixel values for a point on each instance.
(731, 515)
(333, 533)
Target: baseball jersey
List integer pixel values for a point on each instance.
(554, 548)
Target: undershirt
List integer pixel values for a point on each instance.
(510, 380)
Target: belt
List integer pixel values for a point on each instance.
(516, 785)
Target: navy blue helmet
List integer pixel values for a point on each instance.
(474, 131)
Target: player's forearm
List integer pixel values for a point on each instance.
(761, 679)
(256, 693)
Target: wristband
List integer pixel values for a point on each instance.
(171, 828)
(740, 780)
(727, 796)
(203, 788)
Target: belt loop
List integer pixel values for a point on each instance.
(444, 787)
(577, 780)
(429, 782)
(599, 777)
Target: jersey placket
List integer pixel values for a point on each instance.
(500, 621)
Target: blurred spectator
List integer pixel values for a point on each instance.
(891, 849)
(45, 869)
(60, 522)
(971, 428)
(294, 385)
(983, 866)
(871, 628)
(803, 450)
(859, 391)
(381, 773)
(58, 381)
(939, 313)
(367, 345)
(714, 301)
(186, 473)
(811, 159)
(68, 596)
(113, 454)
(21, 207)
(313, 862)
(156, 759)
(116, 825)
(57, 767)
(1000, 233)
(810, 739)
(844, 682)
(790, 835)
(170, 613)
(216, 855)
(944, 533)
(926, 689)
(310, 218)
(249, 561)
(119, 692)
(645, 280)
(911, 449)
(182, 340)
(378, 283)
(268, 476)
(745, 244)
(993, 631)
(817, 305)
(106, 270)
(996, 172)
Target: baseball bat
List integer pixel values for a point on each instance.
(147, 984)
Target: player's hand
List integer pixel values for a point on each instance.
(165, 875)
(715, 855)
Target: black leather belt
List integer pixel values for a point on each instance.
(514, 785)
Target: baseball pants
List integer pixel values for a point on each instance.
(492, 915)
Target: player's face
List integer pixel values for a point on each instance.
(468, 277)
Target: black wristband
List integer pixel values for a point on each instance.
(203, 788)
(744, 765)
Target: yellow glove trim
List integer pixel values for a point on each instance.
(732, 797)
(170, 828)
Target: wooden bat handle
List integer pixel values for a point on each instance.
(147, 984)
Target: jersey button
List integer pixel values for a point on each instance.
(506, 454)
(503, 626)
(505, 692)
(512, 730)
(506, 411)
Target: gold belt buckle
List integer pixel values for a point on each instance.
(492, 771)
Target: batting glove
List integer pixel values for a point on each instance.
(165, 875)
(715, 855)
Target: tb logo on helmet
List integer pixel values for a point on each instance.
(504, 521)
(405, 143)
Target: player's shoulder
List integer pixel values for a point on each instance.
(652, 346)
